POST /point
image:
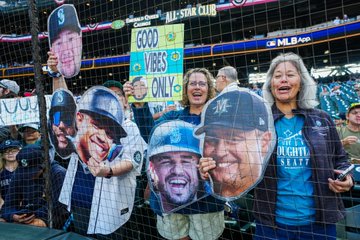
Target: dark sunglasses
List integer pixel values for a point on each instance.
(61, 117)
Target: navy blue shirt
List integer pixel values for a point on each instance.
(83, 188)
(5, 179)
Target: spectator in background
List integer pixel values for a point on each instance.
(226, 76)
(292, 200)
(25, 201)
(256, 89)
(8, 89)
(336, 20)
(350, 134)
(8, 164)
(30, 133)
(117, 88)
(345, 18)
(340, 120)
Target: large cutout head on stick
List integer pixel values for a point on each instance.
(65, 39)
(99, 123)
(173, 154)
(237, 133)
(62, 122)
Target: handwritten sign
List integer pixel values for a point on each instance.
(20, 110)
(156, 63)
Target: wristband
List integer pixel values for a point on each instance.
(110, 174)
(54, 74)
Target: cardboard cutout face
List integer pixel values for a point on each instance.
(99, 122)
(65, 39)
(237, 132)
(62, 122)
(173, 155)
(140, 88)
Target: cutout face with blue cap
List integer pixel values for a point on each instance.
(65, 38)
(173, 154)
(99, 124)
(238, 129)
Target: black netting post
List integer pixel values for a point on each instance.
(34, 21)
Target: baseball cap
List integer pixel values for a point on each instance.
(113, 83)
(352, 106)
(29, 125)
(173, 136)
(237, 109)
(9, 144)
(100, 102)
(63, 107)
(63, 17)
(31, 155)
(11, 85)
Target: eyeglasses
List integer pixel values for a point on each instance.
(11, 151)
(220, 76)
(200, 84)
(59, 117)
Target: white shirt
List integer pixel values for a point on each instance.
(113, 198)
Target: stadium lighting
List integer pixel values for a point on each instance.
(257, 77)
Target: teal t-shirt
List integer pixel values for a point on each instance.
(295, 203)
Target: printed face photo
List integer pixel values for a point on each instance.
(95, 137)
(140, 89)
(175, 176)
(68, 48)
(62, 126)
(239, 157)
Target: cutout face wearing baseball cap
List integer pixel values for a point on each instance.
(99, 122)
(65, 39)
(174, 154)
(238, 137)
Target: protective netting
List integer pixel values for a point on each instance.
(141, 144)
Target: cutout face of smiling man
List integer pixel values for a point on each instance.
(65, 39)
(174, 154)
(238, 138)
(62, 122)
(98, 122)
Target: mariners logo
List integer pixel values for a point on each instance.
(318, 123)
(7, 142)
(222, 106)
(24, 162)
(175, 136)
(137, 157)
(61, 16)
(60, 97)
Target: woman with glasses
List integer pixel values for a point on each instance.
(8, 164)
